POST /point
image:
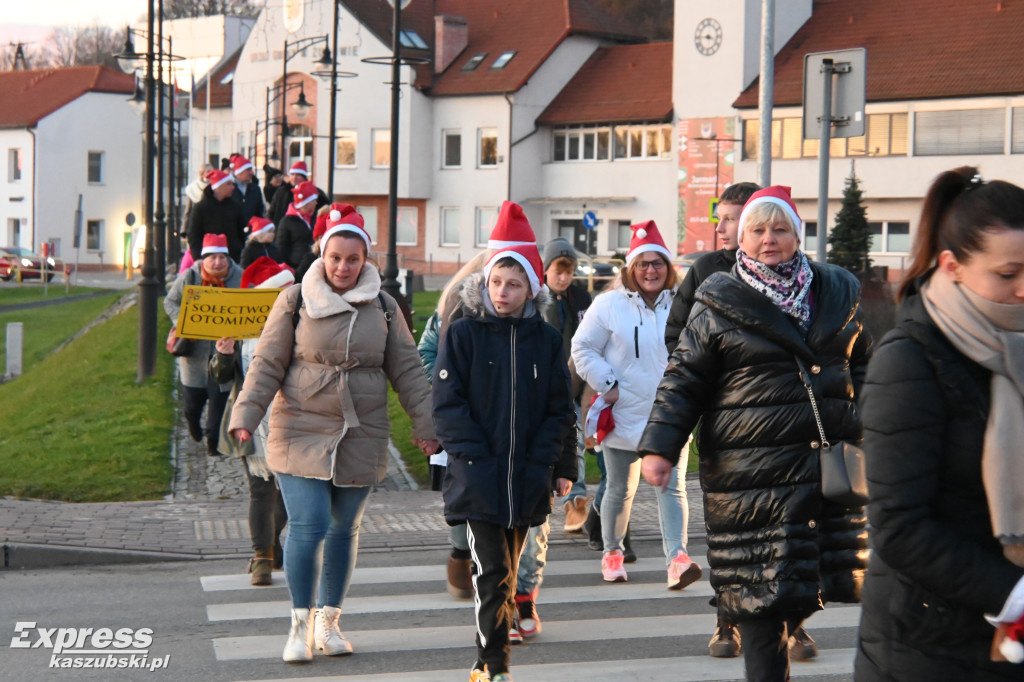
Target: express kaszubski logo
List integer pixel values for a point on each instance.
(90, 647)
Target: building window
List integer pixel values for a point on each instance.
(966, 131)
(450, 228)
(474, 62)
(94, 235)
(381, 148)
(213, 152)
(14, 231)
(643, 142)
(369, 214)
(888, 237)
(582, 144)
(885, 135)
(408, 224)
(13, 165)
(488, 147)
(503, 59)
(345, 151)
(412, 39)
(485, 217)
(1017, 142)
(452, 143)
(809, 244)
(95, 167)
(622, 234)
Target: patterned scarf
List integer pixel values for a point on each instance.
(787, 285)
(209, 280)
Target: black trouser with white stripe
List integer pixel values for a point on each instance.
(495, 552)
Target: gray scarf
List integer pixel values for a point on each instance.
(991, 334)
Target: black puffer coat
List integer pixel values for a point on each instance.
(503, 414)
(774, 545)
(210, 216)
(935, 567)
(717, 261)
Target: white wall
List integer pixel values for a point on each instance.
(94, 122)
(16, 198)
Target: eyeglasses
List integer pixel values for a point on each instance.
(657, 264)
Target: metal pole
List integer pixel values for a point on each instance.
(390, 283)
(148, 285)
(173, 242)
(284, 107)
(332, 137)
(161, 225)
(823, 153)
(766, 92)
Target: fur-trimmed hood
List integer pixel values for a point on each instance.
(321, 301)
(476, 302)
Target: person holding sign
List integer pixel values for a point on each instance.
(329, 348)
(214, 269)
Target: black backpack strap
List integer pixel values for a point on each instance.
(388, 315)
(295, 310)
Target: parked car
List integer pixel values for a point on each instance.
(601, 271)
(30, 264)
(682, 264)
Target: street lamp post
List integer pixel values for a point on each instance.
(297, 47)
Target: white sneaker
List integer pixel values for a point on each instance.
(327, 636)
(299, 648)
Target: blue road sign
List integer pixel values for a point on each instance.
(590, 220)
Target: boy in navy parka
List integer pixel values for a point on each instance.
(502, 410)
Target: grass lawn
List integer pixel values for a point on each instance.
(46, 328)
(34, 292)
(77, 427)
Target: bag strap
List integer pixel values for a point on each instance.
(388, 315)
(814, 403)
(295, 311)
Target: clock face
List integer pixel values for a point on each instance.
(708, 36)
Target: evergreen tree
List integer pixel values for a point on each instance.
(850, 238)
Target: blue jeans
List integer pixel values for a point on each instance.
(531, 562)
(579, 488)
(623, 468)
(320, 514)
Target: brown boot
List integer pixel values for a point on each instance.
(460, 578)
(260, 568)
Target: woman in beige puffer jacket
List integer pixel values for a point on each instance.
(326, 369)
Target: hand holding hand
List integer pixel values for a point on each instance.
(656, 470)
(562, 486)
(241, 435)
(429, 446)
(225, 345)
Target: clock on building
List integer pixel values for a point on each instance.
(708, 36)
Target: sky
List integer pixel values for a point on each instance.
(32, 20)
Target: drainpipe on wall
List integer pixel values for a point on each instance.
(508, 166)
(35, 163)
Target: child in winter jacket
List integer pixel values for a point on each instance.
(502, 411)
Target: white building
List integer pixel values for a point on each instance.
(68, 134)
(938, 96)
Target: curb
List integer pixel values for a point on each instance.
(22, 556)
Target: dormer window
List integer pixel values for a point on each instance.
(474, 62)
(503, 59)
(228, 78)
(412, 39)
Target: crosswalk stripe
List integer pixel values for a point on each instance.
(436, 572)
(433, 602)
(705, 668)
(555, 631)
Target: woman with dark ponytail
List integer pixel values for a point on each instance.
(943, 431)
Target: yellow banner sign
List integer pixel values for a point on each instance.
(212, 312)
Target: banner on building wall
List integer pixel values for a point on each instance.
(294, 15)
(707, 152)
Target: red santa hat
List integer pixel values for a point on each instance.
(267, 273)
(216, 178)
(779, 195)
(646, 237)
(257, 225)
(320, 226)
(304, 193)
(527, 256)
(343, 218)
(214, 243)
(511, 228)
(239, 163)
(300, 167)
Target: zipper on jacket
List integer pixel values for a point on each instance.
(636, 341)
(535, 370)
(512, 429)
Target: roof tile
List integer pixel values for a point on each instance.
(28, 96)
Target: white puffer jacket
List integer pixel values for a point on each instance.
(622, 339)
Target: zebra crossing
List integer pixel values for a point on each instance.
(404, 626)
